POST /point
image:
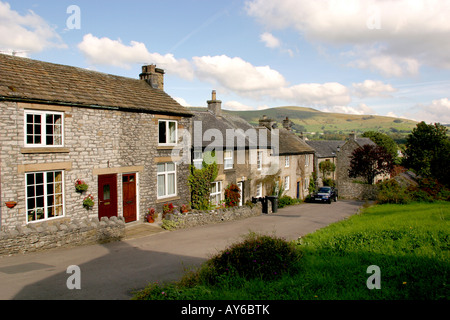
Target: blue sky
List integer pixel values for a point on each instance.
(348, 56)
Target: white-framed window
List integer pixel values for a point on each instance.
(198, 159)
(167, 132)
(308, 160)
(259, 160)
(228, 159)
(259, 190)
(287, 161)
(45, 195)
(44, 128)
(286, 183)
(216, 193)
(167, 180)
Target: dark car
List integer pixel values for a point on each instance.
(325, 194)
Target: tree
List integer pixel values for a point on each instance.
(383, 140)
(369, 161)
(427, 152)
(326, 167)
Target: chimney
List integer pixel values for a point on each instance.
(352, 136)
(266, 122)
(287, 124)
(214, 105)
(154, 76)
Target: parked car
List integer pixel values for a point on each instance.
(325, 194)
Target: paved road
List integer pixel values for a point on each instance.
(113, 271)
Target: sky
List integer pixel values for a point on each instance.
(387, 58)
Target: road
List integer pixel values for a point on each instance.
(113, 271)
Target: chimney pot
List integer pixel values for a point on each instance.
(214, 105)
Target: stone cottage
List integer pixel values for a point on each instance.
(348, 187)
(62, 126)
(237, 147)
(325, 150)
(295, 159)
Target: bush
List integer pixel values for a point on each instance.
(258, 256)
(232, 195)
(429, 190)
(286, 201)
(392, 192)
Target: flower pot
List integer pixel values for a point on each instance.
(11, 204)
(150, 220)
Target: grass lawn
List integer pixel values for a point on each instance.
(409, 243)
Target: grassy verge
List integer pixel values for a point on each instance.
(409, 243)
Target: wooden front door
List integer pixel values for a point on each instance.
(107, 196)
(129, 197)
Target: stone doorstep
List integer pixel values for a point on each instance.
(141, 229)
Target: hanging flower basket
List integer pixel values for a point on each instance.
(81, 186)
(88, 202)
(11, 204)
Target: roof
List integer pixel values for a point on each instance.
(213, 126)
(292, 144)
(325, 148)
(27, 80)
(363, 141)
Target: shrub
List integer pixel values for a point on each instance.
(286, 201)
(232, 195)
(258, 256)
(429, 190)
(392, 192)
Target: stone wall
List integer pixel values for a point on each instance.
(60, 234)
(199, 218)
(357, 191)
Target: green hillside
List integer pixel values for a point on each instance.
(316, 123)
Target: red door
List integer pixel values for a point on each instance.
(107, 196)
(129, 197)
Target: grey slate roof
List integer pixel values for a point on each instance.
(28, 80)
(325, 148)
(292, 144)
(218, 126)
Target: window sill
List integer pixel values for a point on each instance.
(44, 150)
(162, 200)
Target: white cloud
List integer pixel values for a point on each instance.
(182, 101)
(407, 33)
(315, 94)
(27, 33)
(238, 106)
(237, 75)
(372, 88)
(436, 112)
(230, 74)
(361, 109)
(105, 51)
(270, 40)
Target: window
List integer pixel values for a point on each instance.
(286, 183)
(259, 190)
(286, 161)
(167, 185)
(43, 128)
(259, 160)
(216, 193)
(167, 132)
(228, 160)
(198, 159)
(45, 196)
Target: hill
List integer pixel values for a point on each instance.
(316, 123)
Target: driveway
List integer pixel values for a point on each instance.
(113, 271)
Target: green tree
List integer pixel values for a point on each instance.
(383, 140)
(369, 161)
(427, 152)
(326, 167)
